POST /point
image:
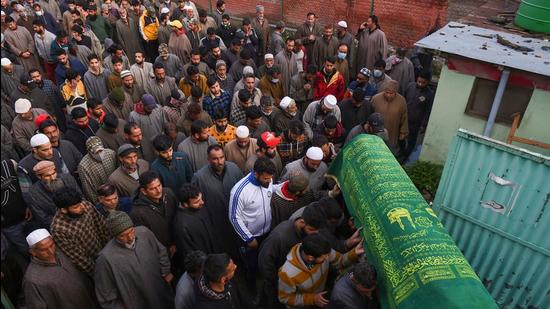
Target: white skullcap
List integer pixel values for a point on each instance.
(37, 236)
(314, 153)
(187, 7)
(22, 106)
(285, 102)
(248, 70)
(242, 131)
(39, 140)
(343, 24)
(5, 61)
(164, 10)
(268, 56)
(3, 13)
(330, 101)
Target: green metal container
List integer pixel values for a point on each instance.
(494, 200)
(534, 15)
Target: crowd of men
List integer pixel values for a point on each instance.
(155, 156)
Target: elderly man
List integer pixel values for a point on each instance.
(126, 177)
(393, 107)
(78, 229)
(21, 43)
(126, 29)
(52, 280)
(23, 126)
(174, 168)
(215, 181)
(269, 60)
(261, 25)
(318, 111)
(311, 166)
(10, 75)
(96, 167)
(41, 150)
(130, 87)
(241, 149)
(40, 195)
(133, 270)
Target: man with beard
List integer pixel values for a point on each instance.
(303, 277)
(231, 55)
(52, 280)
(23, 126)
(241, 149)
(236, 69)
(95, 167)
(197, 143)
(111, 132)
(269, 113)
(354, 110)
(141, 70)
(40, 195)
(261, 25)
(329, 81)
(174, 168)
(179, 44)
(95, 110)
(175, 106)
(65, 62)
(99, 25)
(222, 131)
(294, 142)
(52, 91)
(133, 270)
(276, 246)
(301, 87)
(172, 64)
(161, 86)
(95, 79)
(419, 98)
(197, 62)
(191, 228)
(254, 122)
(118, 103)
(10, 75)
(126, 177)
(27, 90)
(250, 213)
(272, 85)
(356, 289)
(255, 95)
(309, 32)
(267, 147)
(41, 150)
(78, 229)
(244, 102)
(149, 117)
(269, 60)
(362, 80)
(194, 79)
(226, 84)
(71, 156)
(325, 47)
(373, 45)
(393, 107)
(213, 57)
(311, 166)
(215, 181)
(206, 21)
(21, 44)
(80, 129)
(133, 135)
(285, 60)
(212, 40)
(250, 38)
(378, 77)
(318, 111)
(130, 87)
(128, 34)
(43, 40)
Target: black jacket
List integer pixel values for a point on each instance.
(156, 217)
(78, 136)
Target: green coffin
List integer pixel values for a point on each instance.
(418, 263)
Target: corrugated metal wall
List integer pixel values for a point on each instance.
(494, 201)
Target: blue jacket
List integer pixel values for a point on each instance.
(175, 175)
(61, 71)
(124, 204)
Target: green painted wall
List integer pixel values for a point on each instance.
(448, 116)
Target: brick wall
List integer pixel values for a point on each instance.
(403, 21)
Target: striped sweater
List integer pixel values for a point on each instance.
(298, 284)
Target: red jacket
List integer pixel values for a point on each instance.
(334, 86)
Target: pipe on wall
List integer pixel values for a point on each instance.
(496, 102)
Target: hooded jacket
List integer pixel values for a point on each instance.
(78, 136)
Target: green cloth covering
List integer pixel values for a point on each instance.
(418, 263)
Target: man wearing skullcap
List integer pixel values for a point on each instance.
(311, 166)
(149, 116)
(269, 60)
(130, 86)
(52, 280)
(241, 149)
(40, 195)
(393, 107)
(318, 111)
(118, 103)
(95, 168)
(126, 177)
(121, 277)
(261, 25)
(41, 150)
(78, 229)
(23, 126)
(10, 76)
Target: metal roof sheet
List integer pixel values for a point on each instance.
(481, 44)
(494, 200)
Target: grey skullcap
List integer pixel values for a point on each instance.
(118, 222)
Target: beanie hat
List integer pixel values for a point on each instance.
(118, 222)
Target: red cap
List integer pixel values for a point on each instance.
(270, 139)
(41, 118)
